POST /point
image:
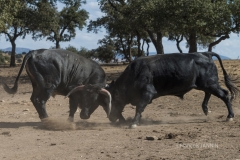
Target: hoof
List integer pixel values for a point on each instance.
(133, 126)
(70, 119)
(207, 112)
(229, 119)
(44, 119)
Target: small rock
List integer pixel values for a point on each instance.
(151, 138)
(25, 110)
(155, 131)
(170, 136)
(2, 101)
(53, 144)
(6, 133)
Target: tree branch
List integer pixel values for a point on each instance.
(217, 42)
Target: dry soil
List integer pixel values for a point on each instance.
(171, 128)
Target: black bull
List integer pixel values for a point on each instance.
(64, 73)
(147, 78)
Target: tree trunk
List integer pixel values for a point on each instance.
(192, 42)
(143, 43)
(129, 54)
(147, 47)
(57, 44)
(157, 41)
(125, 51)
(129, 46)
(12, 60)
(139, 44)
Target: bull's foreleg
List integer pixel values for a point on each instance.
(73, 104)
(136, 119)
(205, 103)
(145, 99)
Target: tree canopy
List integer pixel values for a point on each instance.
(67, 21)
(130, 24)
(40, 18)
(202, 23)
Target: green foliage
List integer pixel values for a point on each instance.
(72, 49)
(27, 17)
(66, 21)
(19, 56)
(200, 21)
(86, 53)
(82, 51)
(105, 53)
(8, 11)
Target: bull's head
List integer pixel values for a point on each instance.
(90, 97)
(117, 103)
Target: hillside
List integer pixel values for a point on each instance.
(18, 50)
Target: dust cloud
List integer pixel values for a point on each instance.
(57, 124)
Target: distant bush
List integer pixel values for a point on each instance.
(19, 60)
(3, 59)
(18, 55)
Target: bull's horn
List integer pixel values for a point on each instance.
(104, 91)
(78, 88)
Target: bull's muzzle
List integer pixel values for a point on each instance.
(112, 118)
(84, 114)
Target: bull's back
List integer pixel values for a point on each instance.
(63, 70)
(173, 74)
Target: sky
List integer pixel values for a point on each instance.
(229, 47)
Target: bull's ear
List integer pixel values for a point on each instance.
(106, 100)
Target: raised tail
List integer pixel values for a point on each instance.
(228, 79)
(13, 90)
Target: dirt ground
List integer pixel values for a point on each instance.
(170, 129)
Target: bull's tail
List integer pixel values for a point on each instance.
(228, 79)
(13, 90)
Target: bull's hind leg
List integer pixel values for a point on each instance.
(223, 95)
(205, 103)
(39, 98)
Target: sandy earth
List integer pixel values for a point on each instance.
(179, 128)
